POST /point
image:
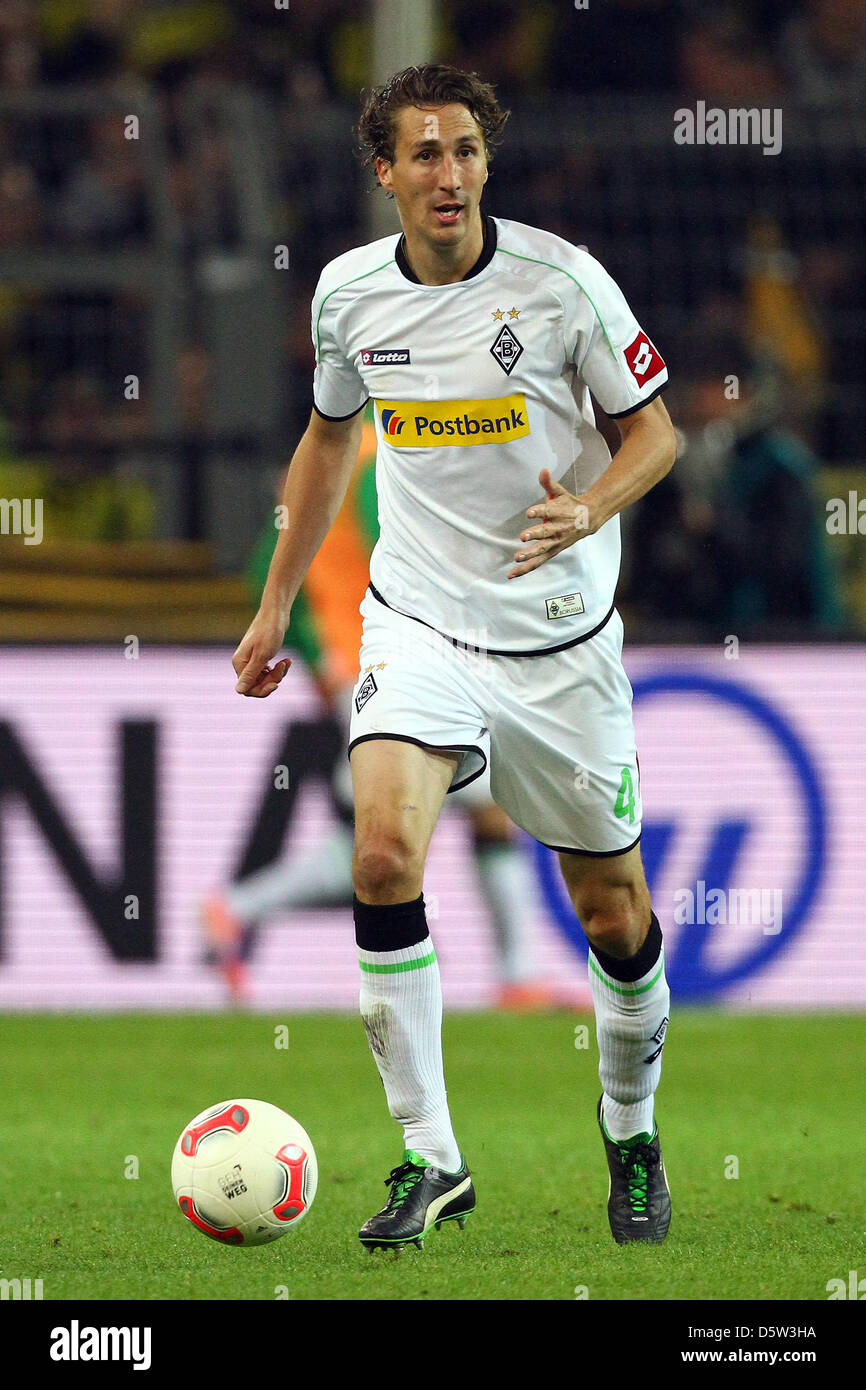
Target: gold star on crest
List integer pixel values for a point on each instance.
(498, 314)
(514, 313)
(381, 666)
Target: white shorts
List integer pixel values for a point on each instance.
(556, 731)
(471, 796)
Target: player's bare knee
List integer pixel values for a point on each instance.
(386, 869)
(617, 934)
(616, 917)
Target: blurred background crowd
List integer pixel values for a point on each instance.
(175, 173)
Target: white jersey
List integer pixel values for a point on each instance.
(477, 386)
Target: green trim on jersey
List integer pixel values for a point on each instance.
(531, 260)
(550, 266)
(375, 271)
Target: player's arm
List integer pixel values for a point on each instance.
(646, 454)
(316, 484)
(620, 365)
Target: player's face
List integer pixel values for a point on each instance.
(438, 174)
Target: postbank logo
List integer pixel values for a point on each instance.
(423, 424)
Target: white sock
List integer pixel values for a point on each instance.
(631, 1021)
(401, 1005)
(318, 875)
(507, 886)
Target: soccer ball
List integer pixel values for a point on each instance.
(244, 1172)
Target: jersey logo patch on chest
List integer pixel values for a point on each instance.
(507, 349)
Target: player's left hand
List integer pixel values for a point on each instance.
(564, 520)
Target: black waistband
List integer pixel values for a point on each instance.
(493, 651)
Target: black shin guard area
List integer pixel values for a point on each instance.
(633, 967)
(389, 926)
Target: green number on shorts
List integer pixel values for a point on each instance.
(625, 797)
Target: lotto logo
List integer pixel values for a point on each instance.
(383, 357)
(643, 360)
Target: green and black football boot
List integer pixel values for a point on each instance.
(639, 1201)
(422, 1196)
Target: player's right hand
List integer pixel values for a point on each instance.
(260, 644)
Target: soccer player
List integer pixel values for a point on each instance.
(326, 633)
(490, 633)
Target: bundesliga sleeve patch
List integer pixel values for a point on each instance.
(643, 361)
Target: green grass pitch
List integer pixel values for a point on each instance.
(776, 1098)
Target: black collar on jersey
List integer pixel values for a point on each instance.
(488, 251)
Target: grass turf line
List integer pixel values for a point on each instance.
(780, 1094)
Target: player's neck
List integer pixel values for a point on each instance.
(444, 265)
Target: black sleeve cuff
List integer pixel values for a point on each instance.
(621, 414)
(337, 419)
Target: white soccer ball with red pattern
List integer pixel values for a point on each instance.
(244, 1172)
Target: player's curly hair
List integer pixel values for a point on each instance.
(431, 84)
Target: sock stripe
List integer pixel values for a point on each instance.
(626, 989)
(396, 967)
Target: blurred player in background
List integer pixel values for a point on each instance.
(325, 631)
(479, 340)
